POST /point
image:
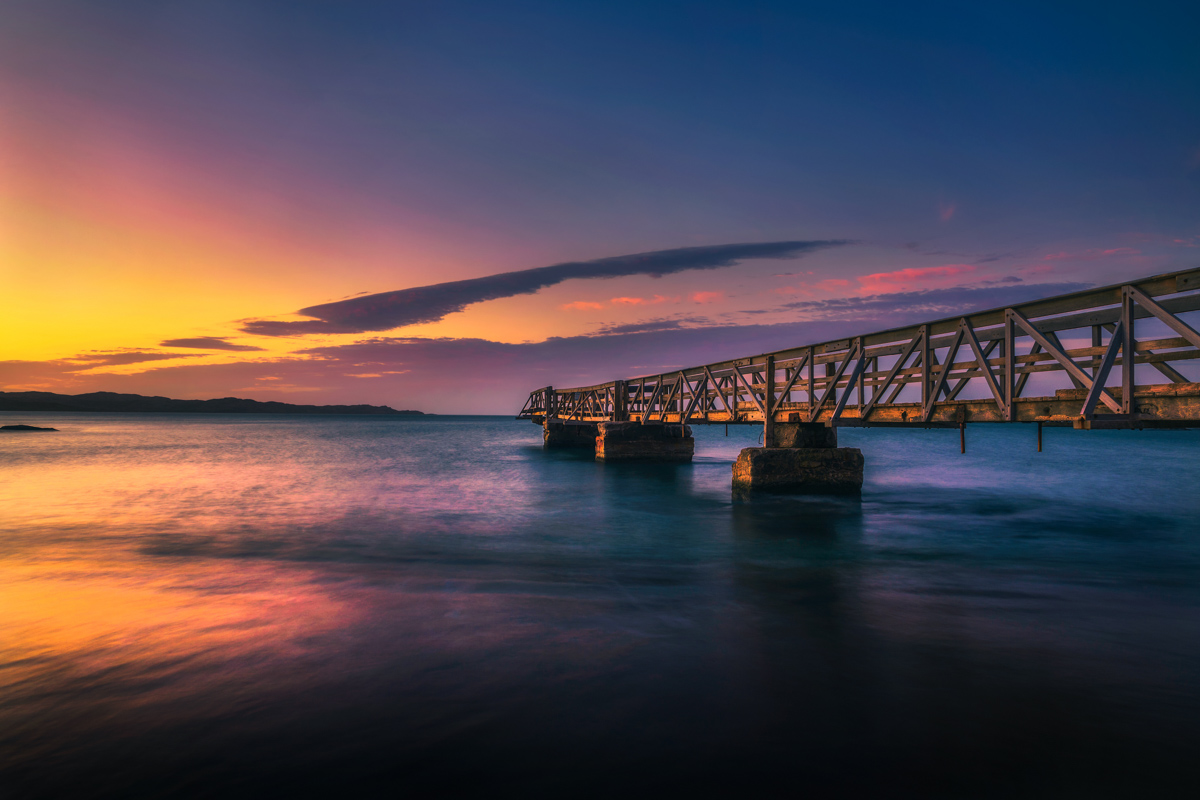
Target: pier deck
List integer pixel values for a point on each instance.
(1062, 360)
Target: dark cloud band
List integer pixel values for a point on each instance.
(389, 310)
(209, 343)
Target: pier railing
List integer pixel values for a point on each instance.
(973, 368)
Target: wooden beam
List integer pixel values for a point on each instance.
(981, 359)
(891, 376)
(753, 396)
(1062, 358)
(1101, 373)
(940, 383)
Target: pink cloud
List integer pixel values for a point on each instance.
(902, 278)
(1091, 255)
(832, 284)
(581, 305)
(706, 297)
(658, 299)
(791, 290)
(946, 211)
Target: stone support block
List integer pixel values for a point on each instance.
(805, 434)
(820, 470)
(633, 441)
(557, 433)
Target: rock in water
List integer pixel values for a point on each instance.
(24, 428)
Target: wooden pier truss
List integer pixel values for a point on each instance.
(982, 367)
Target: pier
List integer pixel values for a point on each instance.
(1074, 360)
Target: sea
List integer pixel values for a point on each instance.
(358, 606)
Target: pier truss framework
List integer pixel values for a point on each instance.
(973, 368)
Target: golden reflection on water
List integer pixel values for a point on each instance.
(95, 616)
(83, 600)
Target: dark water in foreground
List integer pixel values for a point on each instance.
(299, 606)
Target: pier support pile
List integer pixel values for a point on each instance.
(633, 441)
(806, 458)
(559, 433)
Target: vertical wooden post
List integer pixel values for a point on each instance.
(862, 377)
(1096, 342)
(548, 402)
(962, 436)
(926, 368)
(1001, 372)
(769, 404)
(1128, 343)
(1039, 437)
(812, 378)
(1010, 367)
(620, 401)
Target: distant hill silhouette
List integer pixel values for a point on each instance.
(111, 401)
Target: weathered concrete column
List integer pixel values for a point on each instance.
(804, 435)
(632, 441)
(565, 433)
(826, 470)
(806, 460)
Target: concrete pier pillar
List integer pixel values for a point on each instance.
(806, 460)
(566, 433)
(632, 441)
(804, 435)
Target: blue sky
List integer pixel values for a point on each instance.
(218, 165)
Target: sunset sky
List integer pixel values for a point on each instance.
(201, 198)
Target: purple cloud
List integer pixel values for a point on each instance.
(647, 326)
(118, 358)
(209, 343)
(903, 308)
(389, 310)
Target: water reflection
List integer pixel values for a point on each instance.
(249, 606)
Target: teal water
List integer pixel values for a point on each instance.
(197, 606)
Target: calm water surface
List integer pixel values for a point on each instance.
(345, 606)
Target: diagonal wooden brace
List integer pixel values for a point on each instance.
(891, 376)
(1170, 320)
(1110, 358)
(943, 374)
(1070, 366)
(832, 383)
(981, 359)
(753, 396)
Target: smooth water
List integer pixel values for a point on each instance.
(352, 606)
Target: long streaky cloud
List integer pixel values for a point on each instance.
(388, 310)
(208, 343)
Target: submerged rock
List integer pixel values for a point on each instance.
(16, 428)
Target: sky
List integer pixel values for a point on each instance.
(442, 206)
